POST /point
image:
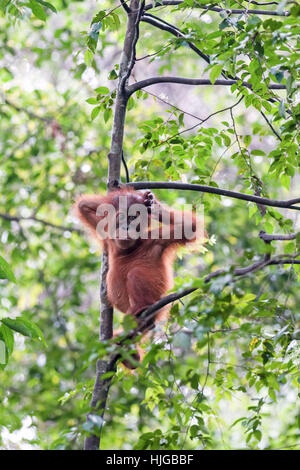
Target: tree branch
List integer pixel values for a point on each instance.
(151, 311)
(126, 64)
(41, 221)
(159, 98)
(192, 81)
(160, 24)
(26, 111)
(101, 386)
(290, 204)
(270, 125)
(125, 6)
(134, 12)
(233, 11)
(271, 237)
(134, 43)
(254, 267)
(263, 3)
(163, 25)
(125, 168)
(238, 11)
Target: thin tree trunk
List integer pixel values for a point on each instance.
(101, 387)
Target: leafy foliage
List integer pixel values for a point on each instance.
(225, 372)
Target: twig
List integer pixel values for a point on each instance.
(123, 4)
(157, 22)
(270, 125)
(200, 123)
(176, 107)
(150, 313)
(125, 168)
(41, 221)
(256, 183)
(155, 53)
(29, 113)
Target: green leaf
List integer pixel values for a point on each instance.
(249, 297)
(237, 421)
(4, 4)
(116, 20)
(5, 271)
(88, 57)
(281, 109)
(17, 325)
(112, 75)
(285, 181)
(91, 101)
(295, 10)
(257, 434)
(95, 28)
(24, 327)
(215, 71)
(47, 5)
(3, 354)
(37, 10)
(8, 337)
(95, 112)
(258, 152)
(254, 20)
(278, 74)
(181, 119)
(107, 114)
(247, 140)
(6, 345)
(99, 16)
(224, 24)
(102, 90)
(272, 24)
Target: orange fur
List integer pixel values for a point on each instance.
(140, 275)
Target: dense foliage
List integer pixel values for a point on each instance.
(224, 374)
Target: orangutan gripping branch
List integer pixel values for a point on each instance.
(141, 237)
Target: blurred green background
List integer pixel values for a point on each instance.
(231, 351)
